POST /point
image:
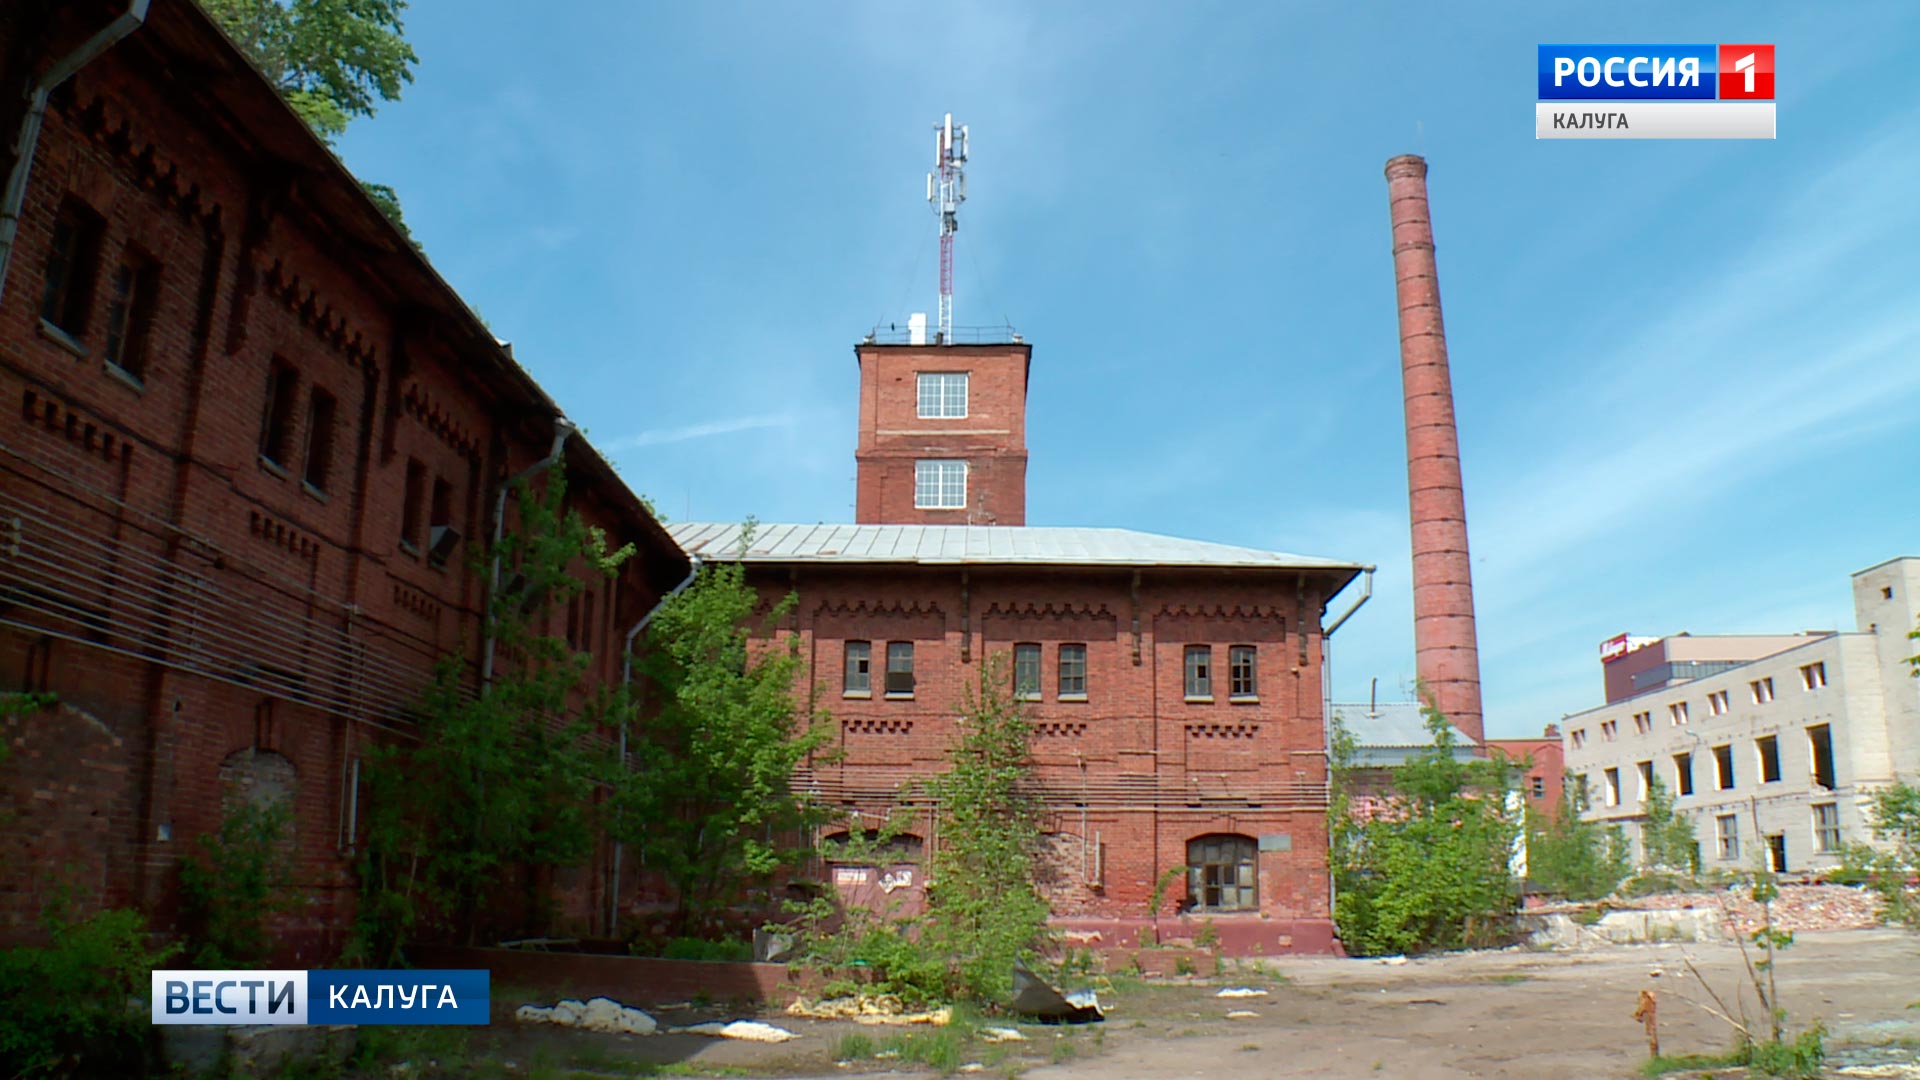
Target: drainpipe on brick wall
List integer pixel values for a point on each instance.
(626, 679)
(29, 137)
(562, 429)
(1326, 726)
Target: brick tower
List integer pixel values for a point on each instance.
(1445, 646)
(943, 434)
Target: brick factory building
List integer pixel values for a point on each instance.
(1175, 686)
(253, 437)
(1542, 766)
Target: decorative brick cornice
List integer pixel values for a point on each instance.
(893, 608)
(1224, 612)
(1031, 610)
(1222, 731)
(282, 535)
(102, 120)
(330, 326)
(432, 413)
(81, 430)
(882, 726)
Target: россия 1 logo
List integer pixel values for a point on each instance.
(1654, 92)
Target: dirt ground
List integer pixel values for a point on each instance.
(1512, 1013)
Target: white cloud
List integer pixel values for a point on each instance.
(663, 436)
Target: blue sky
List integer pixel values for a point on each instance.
(1686, 372)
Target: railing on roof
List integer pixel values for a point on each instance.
(901, 334)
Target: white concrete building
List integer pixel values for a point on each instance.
(1774, 756)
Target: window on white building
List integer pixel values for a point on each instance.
(1814, 676)
(1723, 767)
(1646, 779)
(1683, 773)
(1678, 713)
(1820, 755)
(1826, 828)
(1579, 737)
(943, 395)
(1727, 829)
(1613, 787)
(1762, 690)
(1608, 729)
(1642, 722)
(1769, 750)
(1718, 703)
(940, 485)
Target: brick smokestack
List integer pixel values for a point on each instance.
(1445, 648)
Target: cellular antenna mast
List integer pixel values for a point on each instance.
(946, 190)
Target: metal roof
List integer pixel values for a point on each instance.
(979, 544)
(1390, 732)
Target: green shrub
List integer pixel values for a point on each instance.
(236, 880)
(68, 1009)
(1800, 1059)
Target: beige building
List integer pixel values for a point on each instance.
(1772, 755)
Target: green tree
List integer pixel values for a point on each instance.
(708, 801)
(1432, 868)
(1668, 837)
(236, 880)
(498, 788)
(983, 910)
(1572, 856)
(333, 61)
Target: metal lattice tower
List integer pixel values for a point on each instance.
(946, 190)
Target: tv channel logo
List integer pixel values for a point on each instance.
(1655, 92)
(321, 997)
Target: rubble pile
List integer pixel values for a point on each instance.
(1800, 907)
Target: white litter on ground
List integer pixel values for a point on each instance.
(1001, 1034)
(600, 1014)
(1241, 1014)
(750, 1030)
(1240, 992)
(1394, 961)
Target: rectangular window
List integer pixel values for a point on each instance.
(441, 533)
(131, 293)
(899, 669)
(943, 395)
(71, 260)
(1613, 787)
(573, 622)
(1026, 672)
(1777, 853)
(859, 679)
(1820, 755)
(1723, 767)
(1826, 828)
(940, 485)
(319, 456)
(1727, 830)
(1579, 737)
(276, 425)
(410, 510)
(1814, 676)
(1200, 672)
(586, 621)
(1609, 729)
(1539, 786)
(1683, 773)
(1677, 712)
(1762, 690)
(1073, 671)
(1240, 672)
(1642, 722)
(1645, 769)
(1717, 703)
(1769, 748)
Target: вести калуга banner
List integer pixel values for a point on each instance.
(321, 997)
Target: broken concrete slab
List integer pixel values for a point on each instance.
(1034, 996)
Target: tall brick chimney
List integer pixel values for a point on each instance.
(1447, 654)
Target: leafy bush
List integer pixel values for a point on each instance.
(236, 881)
(68, 1011)
(1432, 871)
(1570, 856)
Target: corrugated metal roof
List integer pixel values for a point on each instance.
(1392, 731)
(996, 544)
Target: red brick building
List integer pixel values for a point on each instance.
(252, 441)
(1544, 780)
(1175, 686)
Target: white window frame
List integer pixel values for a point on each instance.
(933, 484)
(937, 388)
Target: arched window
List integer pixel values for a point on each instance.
(1223, 873)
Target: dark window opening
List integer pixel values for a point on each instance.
(416, 490)
(1683, 773)
(1539, 787)
(276, 426)
(586, 621)
(130, 300)
(1820, 743)
(1777, 853)
(1769, 759)
(859, 668)
(71, 260)
(1026, 672)
(1073, 671)
(319, 457)
(573, 623)
(1240, 672)
(1723, 767)
(1199, 671)
(442, 534)
(1222, 874)
(900, 668)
